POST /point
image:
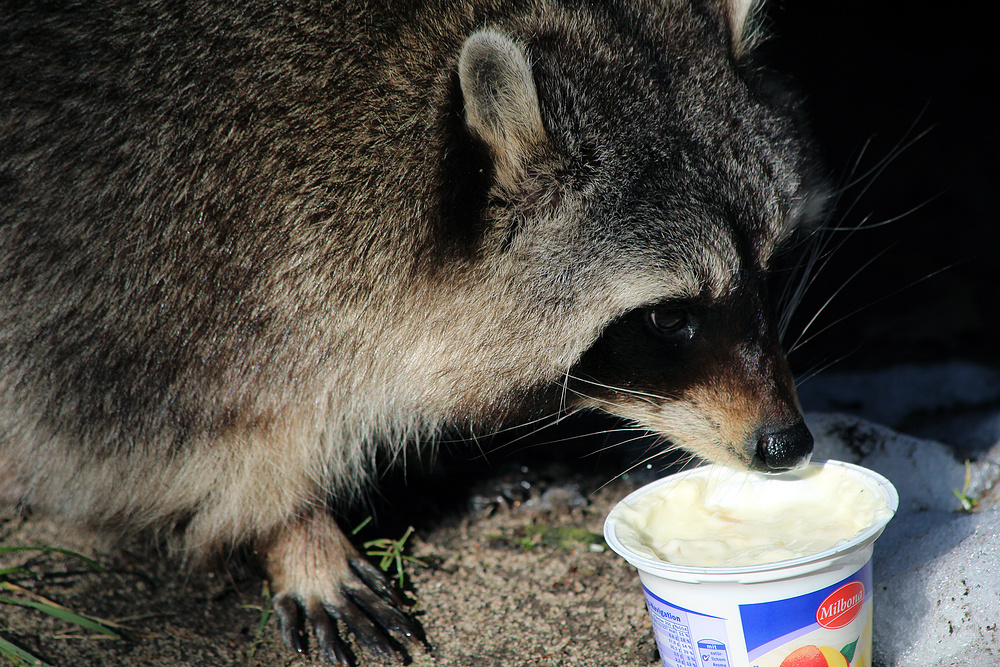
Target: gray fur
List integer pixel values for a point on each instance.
(244, 244)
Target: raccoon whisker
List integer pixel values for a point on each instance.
(639, 435)
(644, 461)
(588, 434)
(811, 272)
(791, 300)
(853, 178)
(819, 259)
(863, 225)
(868, 180)
(462, 438)
(795, 289)
(652, 398)
(822, 367)
(539, 425)
(479, 445)
(550, 421)
(854, 312)
(604, 401)
(799, 341)
(610, 431)
(565, 390)
(869, 176)
(818, 256)
(545, 421)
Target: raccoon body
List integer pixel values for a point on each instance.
(244, 245)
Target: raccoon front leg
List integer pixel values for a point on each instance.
(319, 577)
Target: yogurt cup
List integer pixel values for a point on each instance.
(813, 610)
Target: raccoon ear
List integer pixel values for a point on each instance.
(743, 23)
(501, 103)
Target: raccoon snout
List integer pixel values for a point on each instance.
(783, 449)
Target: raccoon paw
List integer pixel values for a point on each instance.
(319, 579)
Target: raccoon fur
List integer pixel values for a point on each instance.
(244, 246)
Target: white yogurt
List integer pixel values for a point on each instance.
(733, 518)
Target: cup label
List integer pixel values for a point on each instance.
(686, 638)
(830, 627)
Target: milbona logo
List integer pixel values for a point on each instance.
(841, 606)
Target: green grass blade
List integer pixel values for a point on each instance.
(357, 529)
(7, 571)
(63, 614)
(18, 655)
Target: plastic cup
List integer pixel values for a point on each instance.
(810, 611)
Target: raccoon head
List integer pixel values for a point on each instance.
(641, 182)
(707, 372)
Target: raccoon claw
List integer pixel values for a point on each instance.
(381, 603)
(371, 622)
(290, 625)
(329, 642)
(321, 580)
(368, 635)
(289, 622)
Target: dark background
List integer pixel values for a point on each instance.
(876, 75)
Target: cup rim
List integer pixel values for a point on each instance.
(783, 568)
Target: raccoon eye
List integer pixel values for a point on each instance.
(670, 321)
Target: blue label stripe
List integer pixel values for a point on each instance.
(765, 622)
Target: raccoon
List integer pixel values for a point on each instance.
(246, 247)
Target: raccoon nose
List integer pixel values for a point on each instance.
(783, 449)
